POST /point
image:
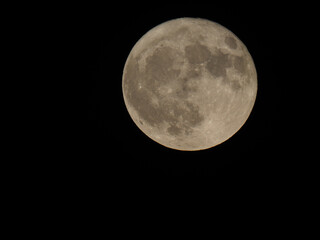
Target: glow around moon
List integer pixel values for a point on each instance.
(189, 84)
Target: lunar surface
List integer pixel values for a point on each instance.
(189, 84)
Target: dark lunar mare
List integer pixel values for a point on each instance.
(180, 114)
(231, 42)
(216, 63)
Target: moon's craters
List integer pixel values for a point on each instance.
(181, 116)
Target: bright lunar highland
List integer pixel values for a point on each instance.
(189, 84)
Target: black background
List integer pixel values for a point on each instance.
(106, 143)
(89, 161)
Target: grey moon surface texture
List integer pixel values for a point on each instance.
(189, 84)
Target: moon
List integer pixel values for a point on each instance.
(189, 84)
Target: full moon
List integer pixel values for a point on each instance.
(189, 84)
